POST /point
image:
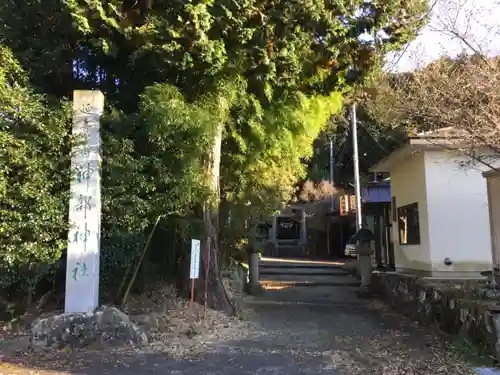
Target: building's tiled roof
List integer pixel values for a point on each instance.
(449, 132)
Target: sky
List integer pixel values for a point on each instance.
(478, 21)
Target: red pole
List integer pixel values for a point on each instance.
(207, 270)
(192, 293)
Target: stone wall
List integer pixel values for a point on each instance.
(458, 308)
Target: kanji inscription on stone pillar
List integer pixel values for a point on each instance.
(82, 274)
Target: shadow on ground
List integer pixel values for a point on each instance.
(294, 331)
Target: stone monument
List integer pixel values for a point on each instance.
(83, 322)
(82, 274)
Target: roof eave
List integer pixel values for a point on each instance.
(415, 144)
(492, 173)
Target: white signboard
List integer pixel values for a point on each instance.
(82, 274)
(487, 371)
(195, 259)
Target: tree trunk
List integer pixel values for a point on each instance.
(215, 295)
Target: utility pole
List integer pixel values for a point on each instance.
(357, 184)
(331, 200)
(332, 162)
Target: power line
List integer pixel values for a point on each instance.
(389, 137)
(373, 137)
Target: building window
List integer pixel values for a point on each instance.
(408, 225)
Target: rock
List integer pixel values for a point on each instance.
(235, 283)
(81, 329)
(153, 322)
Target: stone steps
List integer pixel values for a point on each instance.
(297, 266)
(290, 250)
(275, 273)
(300, 263)
(306, 283)
(294, 272)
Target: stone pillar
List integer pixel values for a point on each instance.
(82, 273)
(303, 228)
(365, 270)
(253, 266)
(274, 236)
(274, 228)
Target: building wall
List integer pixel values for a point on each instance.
(457, 210)
(493, 184)
(408, 185)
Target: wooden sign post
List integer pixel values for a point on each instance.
(194, 272)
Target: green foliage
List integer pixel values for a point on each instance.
(279, 46)
(42, 37)
(152, 161)
(119, 251)
(263, 156)
(269, 73)
(33, 170)
(154, 164)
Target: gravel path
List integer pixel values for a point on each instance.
(292, 331)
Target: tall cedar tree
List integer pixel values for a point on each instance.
(292, 55)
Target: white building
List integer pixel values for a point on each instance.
(493, 186)
(440, 218)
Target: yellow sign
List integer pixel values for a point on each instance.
(344, 205)
(352, 203)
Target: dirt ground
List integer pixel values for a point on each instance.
(289, 331)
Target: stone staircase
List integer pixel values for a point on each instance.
(274, 272)
(285, 249)
(290, 250)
